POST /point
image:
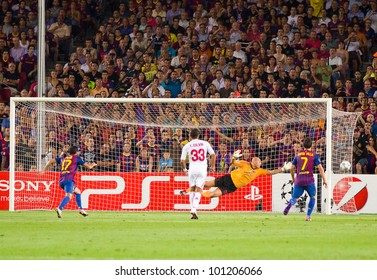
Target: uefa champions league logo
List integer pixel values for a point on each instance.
(286, 195)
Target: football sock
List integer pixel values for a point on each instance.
(191, 194)
(292, 201)
(195, 203)
(78, 200)
(311, 206)
(64, 202)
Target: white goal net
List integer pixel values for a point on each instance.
(137, 143)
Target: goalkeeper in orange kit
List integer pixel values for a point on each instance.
(244, 173)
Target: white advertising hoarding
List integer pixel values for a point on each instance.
(282, 187)
(352, 194)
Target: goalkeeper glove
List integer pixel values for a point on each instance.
(237, 154)
(286, 167)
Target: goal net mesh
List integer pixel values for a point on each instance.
(137, 148)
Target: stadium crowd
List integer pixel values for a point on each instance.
(193, 49)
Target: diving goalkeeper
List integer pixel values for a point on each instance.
(244, 173)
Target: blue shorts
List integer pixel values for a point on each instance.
(68, 186)
(299, 190)
(363, 162)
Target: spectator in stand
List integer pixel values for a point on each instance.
(5, 60)
(165, 163)
(16, 52)
(140, 44)
(106, 160)
(175, 28)
(126, 161)
(322, 32)
(371, 147)
(239, 53)
(204, 49)
(258, 88)
(62, 35)
(144, 162)
(263, 152)
(364, 52)
(173, 12)
(355, 12)
(286, 47)
(227, 89)
(336, 64)
(371, 111)
(172, 83)
(89, 153)
(353, 47)
(291, 92)
(7, 23)
(4, 115)
(223, 158)
(68, 90)
(55, 9)
(89, 49)
(325, 71)
(99, 88)
(285, 151)
(219, 82)
(313, 43)
(368, 90)
(5, 150)
(360, 152)
(158, 11)
(166, 51)
(28, 64)
(11, 76)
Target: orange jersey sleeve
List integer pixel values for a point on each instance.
(244, 174)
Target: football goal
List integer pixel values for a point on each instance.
(137, 144)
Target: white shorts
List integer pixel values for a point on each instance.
(197, 178)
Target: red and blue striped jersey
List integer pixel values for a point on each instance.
(69, 166)
(305, 161)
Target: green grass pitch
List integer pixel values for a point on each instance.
(41, 235)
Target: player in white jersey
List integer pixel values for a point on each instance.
(197, 151)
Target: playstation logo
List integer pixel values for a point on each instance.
(254, 194)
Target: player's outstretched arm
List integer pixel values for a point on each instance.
(212, 164)
(293, 171)
(183, 165)
(49, 163)
(90, 165)
(286, 167)
(236, 157)
(237, 154)
(322, 172)
(275, 171)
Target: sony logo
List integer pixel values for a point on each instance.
(20, 185)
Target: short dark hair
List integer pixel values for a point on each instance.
(307, 142)
(72, 150)
(194, 133)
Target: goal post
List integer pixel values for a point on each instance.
(140, 133)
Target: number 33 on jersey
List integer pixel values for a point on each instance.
(197, 151)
